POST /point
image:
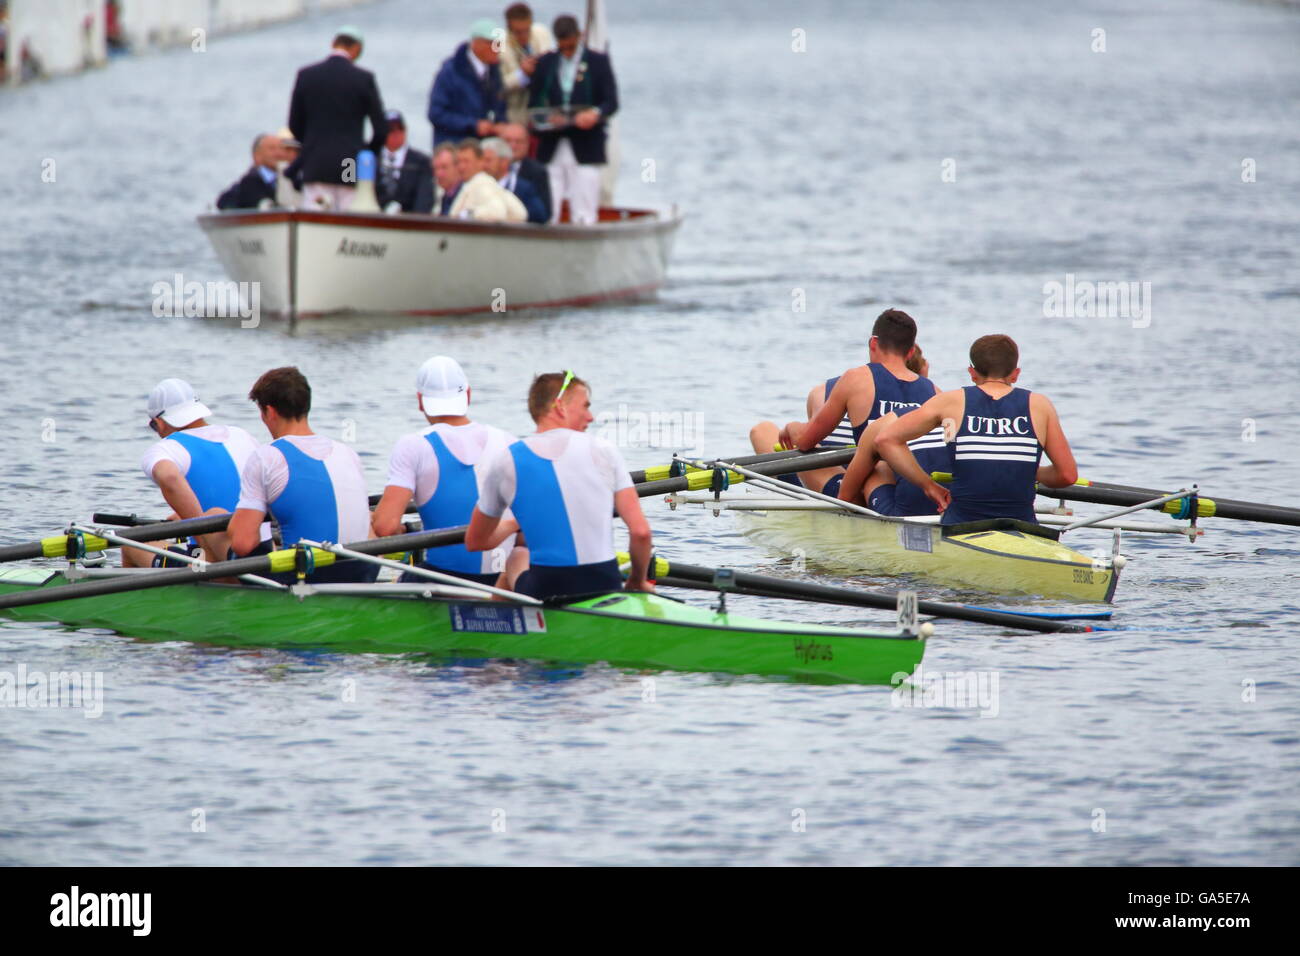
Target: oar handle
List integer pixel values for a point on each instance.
(807, 591)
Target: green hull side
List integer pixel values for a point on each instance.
(626, 630)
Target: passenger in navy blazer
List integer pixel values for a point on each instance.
(497, 156)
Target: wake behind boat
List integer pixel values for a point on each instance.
(309, 263)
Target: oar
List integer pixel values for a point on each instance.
(1054, 615)
(702, 479)
(56, 545)
(1085, 490)
(1105, 493)
(275, 562)
(659, 472)
(674, 573)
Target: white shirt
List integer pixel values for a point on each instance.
(266, 474)
(480, 68)
(394, 159)
(239, 443)
(589, 472)
(414, 464)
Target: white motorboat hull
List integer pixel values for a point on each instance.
(322, 263)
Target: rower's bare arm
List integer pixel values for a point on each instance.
(827, 417)
(893, 439)
(387, 519)
(176, 491)
(1063, 471)
(628, 505)
(482, 529)
(505, 528)
(245, 530)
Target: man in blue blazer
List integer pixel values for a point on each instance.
(522, 166)
(497, 155)
(580, 83)
(467, 100)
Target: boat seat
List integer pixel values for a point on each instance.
(1001, 524)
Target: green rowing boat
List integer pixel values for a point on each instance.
(624, 629)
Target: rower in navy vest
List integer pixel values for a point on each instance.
(564, 486)
(870, 481)
(1000, 433)
(862, 395)
(195, 465)
(313, 486)
(442, 468)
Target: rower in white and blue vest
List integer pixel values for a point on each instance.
(564, 486)
(999, 436)
(442, 467)
(883, 387)
(195, 465)
(313, 486)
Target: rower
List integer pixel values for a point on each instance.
(442, 468)
(870, 481)
(195, 465)
(313, 486)
(564, 486)
(864, 394)
(998, 444)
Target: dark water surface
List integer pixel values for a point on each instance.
(815, 175)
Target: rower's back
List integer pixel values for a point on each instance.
(446, 465)
(211, 458)
(996, 453)
(565, 482)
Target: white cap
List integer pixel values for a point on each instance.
(174, 402)
(442, 384)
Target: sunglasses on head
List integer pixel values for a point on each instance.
(568, 377)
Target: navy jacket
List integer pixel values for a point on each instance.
(595, 86)
(444, 208)
(537, 212)
(414, 186)
(535, 173)
(248, 193)
(459, 100)
(331, 101)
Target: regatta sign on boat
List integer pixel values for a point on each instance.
(491, 619)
